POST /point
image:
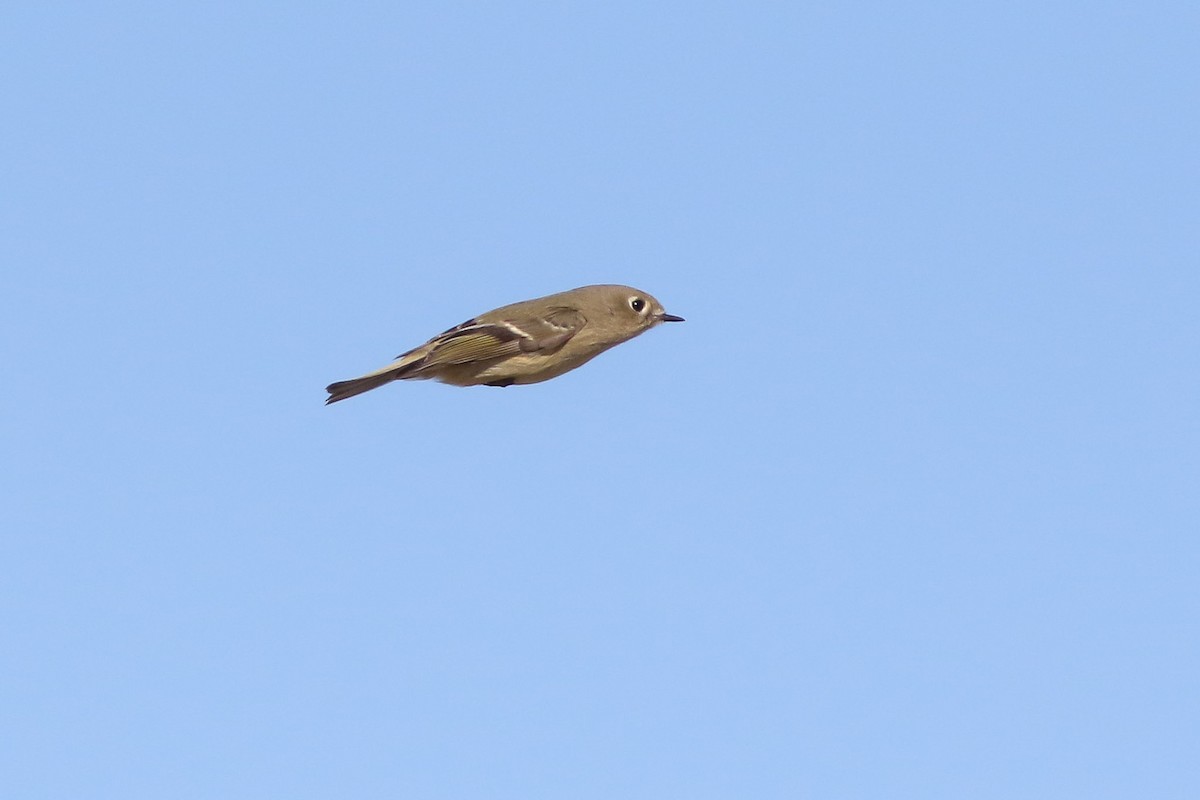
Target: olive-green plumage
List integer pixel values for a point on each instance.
(526, 342)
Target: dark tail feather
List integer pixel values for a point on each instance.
(406, 365)
(343, 389)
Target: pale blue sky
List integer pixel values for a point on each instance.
(907, 508)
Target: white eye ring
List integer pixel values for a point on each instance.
(637, 304)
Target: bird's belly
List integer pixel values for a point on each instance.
(520, 369)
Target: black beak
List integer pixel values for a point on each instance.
(670, 318)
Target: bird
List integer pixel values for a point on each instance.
(523, 343)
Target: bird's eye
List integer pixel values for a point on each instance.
(637, 304)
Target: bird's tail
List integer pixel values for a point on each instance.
(407, 365)
(343, 389)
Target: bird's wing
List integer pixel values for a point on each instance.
(548, 331)
(478, 340)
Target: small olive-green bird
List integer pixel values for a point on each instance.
(526, 342)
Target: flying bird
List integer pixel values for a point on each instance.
(526, 342)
